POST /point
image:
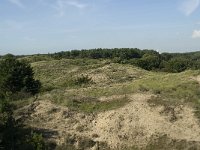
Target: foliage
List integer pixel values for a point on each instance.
(17, 76)
(177, 65)
(7, 126)
(171, 88)
(12, 133)
(73, 142)
(83, 79)
(16, 81)
(149, 62)
(36, 141)
(146, 59)
(92, 105)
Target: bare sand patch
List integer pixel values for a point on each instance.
(137, 122)
(198, 79)
(133, 124)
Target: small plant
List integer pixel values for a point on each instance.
(83, 79)
(36, 141)
(142, 88)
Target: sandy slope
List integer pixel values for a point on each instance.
(134, 124)
(137, 122)
(198, 79)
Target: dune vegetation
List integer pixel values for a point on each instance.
(87, 103)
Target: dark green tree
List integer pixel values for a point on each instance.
(149, 62)
(177, 65)
(17, 76)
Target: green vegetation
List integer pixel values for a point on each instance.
(16, 82)
(170, 88)
(89, 105)
(92, 82)
(146, 59)
(59, 76)
(83, 143)
(13, 135)
(16, 78)
(82, 80)
(63, 73)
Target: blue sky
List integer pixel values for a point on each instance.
(42, 26)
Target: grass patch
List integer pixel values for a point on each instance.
(91, 105)
(173, 89)
(62, 82)
(57, 73)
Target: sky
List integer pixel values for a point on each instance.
(47, 26)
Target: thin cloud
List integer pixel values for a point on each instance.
(196, 34)
(77, 4)
(62, 5)
(189, 6)
(60, 8)
(17, 3)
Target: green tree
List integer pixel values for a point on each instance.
(149, 62)
(177, 65)
(17, 76)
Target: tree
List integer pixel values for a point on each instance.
(149, 62)
(177, 65)
(17, 76)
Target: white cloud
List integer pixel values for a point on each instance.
(62, 5)
(196, 34)
(189, 6)
(60, 8)
(17, 2)
(77, 4)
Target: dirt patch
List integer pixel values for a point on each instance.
(133, 124)
(137, 122)
(99, 78)
(111, 98)
(62, 120)
(198, 79)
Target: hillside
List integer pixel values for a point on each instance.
(100, 75)
(98, 104)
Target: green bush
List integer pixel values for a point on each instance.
(17, 76)
(83, 79)
(177, 65)
(36, 141)
(13, 134)
(149, 62)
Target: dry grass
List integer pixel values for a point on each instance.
(118, 107)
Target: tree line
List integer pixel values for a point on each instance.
(146, 59)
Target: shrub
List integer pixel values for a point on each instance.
(177, 65)
(17, 76)
(36, 141)
(149, 62)
(83, 79)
